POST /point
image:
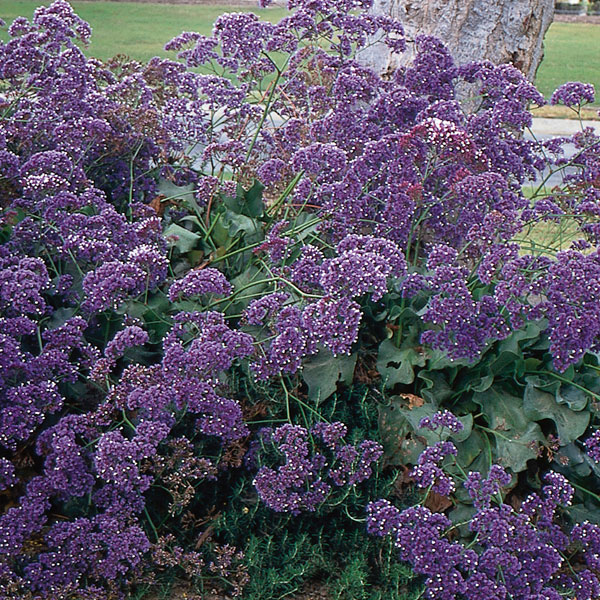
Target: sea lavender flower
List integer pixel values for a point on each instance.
(199, 282)
(303, 482)
(428, 473)
(481, 490)
(573, 93)
(592, 445)
(442, 419)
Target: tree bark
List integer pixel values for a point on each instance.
(502, 31)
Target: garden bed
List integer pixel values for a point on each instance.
(273, 326)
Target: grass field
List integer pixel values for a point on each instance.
(141, 30)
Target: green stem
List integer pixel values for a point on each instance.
(264, 116)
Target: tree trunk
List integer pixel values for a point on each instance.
(502, 31)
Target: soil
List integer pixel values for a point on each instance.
(312, 591)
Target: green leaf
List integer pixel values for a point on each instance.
(515, 437)
(470, 448)
(575, 398)
(403, 439)
(236, 223)
(436, 388)
(515, 447)
(462, 515)
(395, 365)
(503, 410)
(323, 371)
(245, 278)
(183, 239)
(170, 190)
(60, 316)
(437, 360)
(247, 202)
(531, 331)
(539, 405)
(580, 513)
(254, 205)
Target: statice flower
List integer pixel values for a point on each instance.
(573, 93)
(26, 408)
(7, 474)
(419, 535)
(22, 283)
(108, 285)
(264, 308)
(428, 474)
(130, 336)
(333, 323)
(482, 491)
(443, 419)
(275, 244)
(199, 282)
(270, 172)
(295, 486)
(302, 483)
(592, 445)
(151, 261)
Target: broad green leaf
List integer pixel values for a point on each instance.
(397, 427)
(437, 360)
(531, 331)
(580, 513)
(323, 371)
(462, 516)
(502, 410)
(253, 200)
(436, 388)
(470, 448)
(467, 422)
(183, 239)
(170, 190)
(237, 223)
(539, 405)
(244, 288)
(395, 365)
(247, 202)
(60, 316)
(514, 448)
(575, 398)
(515, 437)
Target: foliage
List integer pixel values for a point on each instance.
(219, 291)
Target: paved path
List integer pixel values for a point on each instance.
(545, 129)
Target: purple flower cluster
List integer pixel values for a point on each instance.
(375, 188)
(198, 283)
(443, 419)
(520, 554)
(428, 474)
(304, 481)
(574, 93)
(327, 313)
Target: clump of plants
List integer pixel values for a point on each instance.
(259, 302)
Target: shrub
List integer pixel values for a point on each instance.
(192, 250)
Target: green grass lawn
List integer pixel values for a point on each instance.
(136, 29)
(141, 30)
(572, 53)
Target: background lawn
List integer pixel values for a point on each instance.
(141, 30)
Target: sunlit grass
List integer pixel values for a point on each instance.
(571, 53)
(138, 30)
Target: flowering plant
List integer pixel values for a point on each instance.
(192, 247)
